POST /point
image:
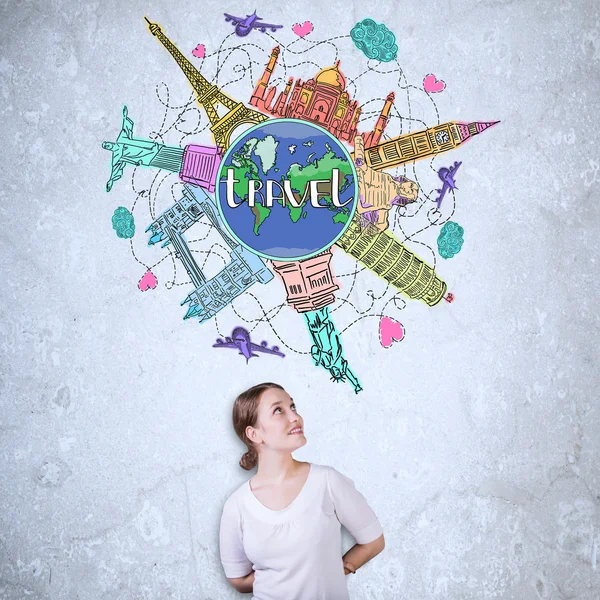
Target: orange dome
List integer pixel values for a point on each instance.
(332, 76)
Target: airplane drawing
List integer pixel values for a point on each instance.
(244, 26)
(240, 339)
(447, 176)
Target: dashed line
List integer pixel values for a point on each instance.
(134, 255)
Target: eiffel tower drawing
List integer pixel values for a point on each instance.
(210, 96)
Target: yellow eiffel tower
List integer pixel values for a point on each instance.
(210, 96)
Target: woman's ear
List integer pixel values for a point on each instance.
(253, 435)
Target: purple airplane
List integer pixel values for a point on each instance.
(447, 176)
(240, 339)
(244, 26)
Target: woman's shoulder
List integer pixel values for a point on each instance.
(236, 498)
(319, 467)
(332, 480)
(324, 471)
(335, 478)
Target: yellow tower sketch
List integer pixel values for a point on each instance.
(209, 96)
(422, 144)
(383, 254)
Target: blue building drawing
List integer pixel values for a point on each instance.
(244, 269)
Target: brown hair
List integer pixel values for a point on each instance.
(245, 414)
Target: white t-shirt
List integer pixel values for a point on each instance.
(296, 552)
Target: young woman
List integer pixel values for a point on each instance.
(280, 535)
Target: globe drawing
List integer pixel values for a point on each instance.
(291, 153)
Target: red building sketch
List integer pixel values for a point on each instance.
(322, 100)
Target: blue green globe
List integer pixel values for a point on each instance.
(268, 195)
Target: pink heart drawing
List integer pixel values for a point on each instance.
(148, 281)
(390, 331)
(199, 51)
(431, 84)
(302, 30)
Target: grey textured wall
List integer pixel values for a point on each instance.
(476, 439)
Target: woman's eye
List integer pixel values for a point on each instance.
(276, 410)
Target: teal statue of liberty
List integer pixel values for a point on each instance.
(327, 351)
(128, 150)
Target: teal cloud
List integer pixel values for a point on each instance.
(450, 240)
(122, 222)
(374, 40)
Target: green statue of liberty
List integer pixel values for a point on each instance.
(327, 351)
(128, 150)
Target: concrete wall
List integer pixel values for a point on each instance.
(476, 438)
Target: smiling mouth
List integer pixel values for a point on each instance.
(295, 431)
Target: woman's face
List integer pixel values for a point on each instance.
(279, 426)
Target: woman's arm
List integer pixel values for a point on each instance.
(354, 513)
(360, 554)
(244, 584)
(231, 548)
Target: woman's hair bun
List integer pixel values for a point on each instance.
(248, 461)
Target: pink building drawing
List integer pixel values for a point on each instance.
(309, 283)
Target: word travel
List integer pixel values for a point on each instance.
(285, 193)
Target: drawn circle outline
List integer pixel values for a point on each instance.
(338, 143)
